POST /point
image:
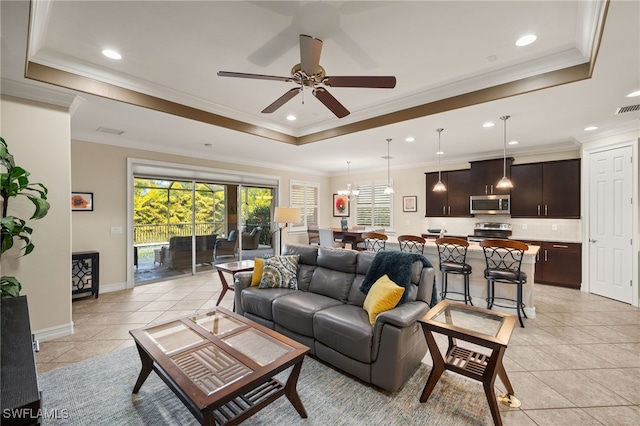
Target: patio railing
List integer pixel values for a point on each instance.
(146, 234)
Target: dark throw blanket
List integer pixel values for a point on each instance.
(397, 265)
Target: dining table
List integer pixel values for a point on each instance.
(351, 236)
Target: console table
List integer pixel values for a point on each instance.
(85, 272)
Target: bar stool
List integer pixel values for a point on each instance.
(504, 260)
(453, 255)
(374, 241)
(411, 243)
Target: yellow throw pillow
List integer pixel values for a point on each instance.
(257, 271)
(383, 295)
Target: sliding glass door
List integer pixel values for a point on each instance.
(176, 225)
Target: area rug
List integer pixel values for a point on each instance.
(97, 392)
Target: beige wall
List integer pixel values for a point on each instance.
(102, 169)
(38, 136)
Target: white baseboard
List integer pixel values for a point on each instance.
(53, 332)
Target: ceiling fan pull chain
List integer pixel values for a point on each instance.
(302, 91)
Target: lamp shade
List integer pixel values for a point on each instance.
(286, 215)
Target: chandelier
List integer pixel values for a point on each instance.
(351, 194)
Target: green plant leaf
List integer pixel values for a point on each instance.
(9, 287)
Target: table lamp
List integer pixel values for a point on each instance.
(285, 215)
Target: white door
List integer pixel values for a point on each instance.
(610, 224)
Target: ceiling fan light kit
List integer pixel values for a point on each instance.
(309, 73)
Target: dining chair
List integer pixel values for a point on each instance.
(411, 243)
(374, 241)
(452, 253)
(504, 262)
(328, 240)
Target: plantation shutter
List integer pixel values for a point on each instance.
(304, 195)
(373, 206)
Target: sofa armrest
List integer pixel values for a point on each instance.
(403, 315)
(400, 317)
(242, 280)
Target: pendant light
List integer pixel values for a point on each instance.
(504, 182)
(389, 188)
(439, 187)
(349, 193)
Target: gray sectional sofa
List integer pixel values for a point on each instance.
(325, 313)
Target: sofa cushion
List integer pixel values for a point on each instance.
(383, 295)
(346, 329)
(334, 274)
(280, 271)
(257, 301)
(295, 311)
(306, 265)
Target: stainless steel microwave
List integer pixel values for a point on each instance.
(490, 204)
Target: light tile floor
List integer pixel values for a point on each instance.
(577, 362)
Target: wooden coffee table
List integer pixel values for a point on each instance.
(231, 268)
(220, 365)
(482, 327)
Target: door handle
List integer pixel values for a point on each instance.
(546, 210)
(491, 189)
(545, 255)
(486, 189)
(538, 209)
(449, 211)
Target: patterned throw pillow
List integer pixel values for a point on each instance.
(280, 271)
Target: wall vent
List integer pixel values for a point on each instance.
(630, 108)
(110, 131)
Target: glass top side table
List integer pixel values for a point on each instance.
(482, 327)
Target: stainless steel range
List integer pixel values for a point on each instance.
(487, 230)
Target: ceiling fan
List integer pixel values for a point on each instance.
(309, 73)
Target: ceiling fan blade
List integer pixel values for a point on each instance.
(256, 76)
(282, 100)
(379, 82)
(310, 49)
(330, 102)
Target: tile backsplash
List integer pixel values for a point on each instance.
(566, 230)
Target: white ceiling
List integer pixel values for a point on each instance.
(173, 50)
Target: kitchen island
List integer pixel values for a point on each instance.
(477, 282)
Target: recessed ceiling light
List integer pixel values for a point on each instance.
(291, 117)
(111, 54)
(440, 153)
(526, 40)
(633, 94)
(410, 139)
(589, 128)
(488, 124)
(513, 143)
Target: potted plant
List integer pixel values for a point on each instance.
(14, 182)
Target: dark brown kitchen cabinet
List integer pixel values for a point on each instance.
(455, 200)
(550, 189)
(562, 264)
(486, 174)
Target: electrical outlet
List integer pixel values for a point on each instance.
(116, 229)
(554, 227)
(524, 226)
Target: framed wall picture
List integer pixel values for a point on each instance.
(410, 203)
(82, 201)
(340, 205)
